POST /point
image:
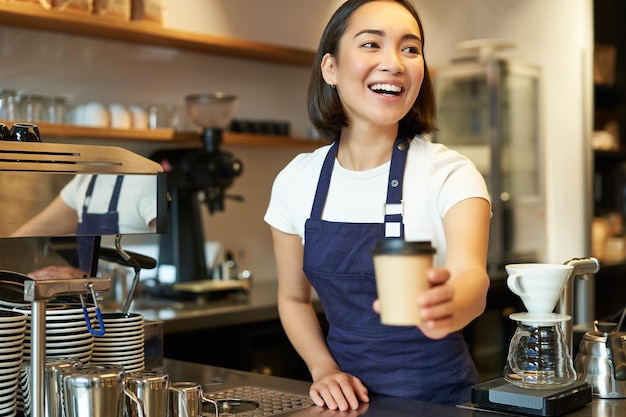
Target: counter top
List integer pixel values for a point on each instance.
(258, 305)
(214, 379)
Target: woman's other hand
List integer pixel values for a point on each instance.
(338, 391)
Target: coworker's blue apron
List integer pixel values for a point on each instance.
(96, 223)
(390, 360)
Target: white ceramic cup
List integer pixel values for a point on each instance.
(538, 285)
(91, 114)
(139, 117)
(120, 116)
(400, 269)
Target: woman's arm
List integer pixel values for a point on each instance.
(330, 386)
(57, 219)
(460, 289)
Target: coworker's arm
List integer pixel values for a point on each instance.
(57, 219)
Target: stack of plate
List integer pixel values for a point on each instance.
(67, 335)
(122, 342)
(12, 327)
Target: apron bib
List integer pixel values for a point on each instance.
(96, 223)
(397, 361)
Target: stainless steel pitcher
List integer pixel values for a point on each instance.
(97, 391)
(53, 373)
(602, 364)
(152, 388)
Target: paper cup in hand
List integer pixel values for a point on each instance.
(400, 269)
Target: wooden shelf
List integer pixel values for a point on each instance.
(169, 136)
(33, 16)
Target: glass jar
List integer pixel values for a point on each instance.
(54, 110)
(31, 107)
(8, 104)
(539, 357)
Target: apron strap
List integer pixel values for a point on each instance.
(115, 197)
(89, 193)
(394, 227)
(323, 183)
(394, 206)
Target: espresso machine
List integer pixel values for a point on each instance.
(27, 168)
(195, 177)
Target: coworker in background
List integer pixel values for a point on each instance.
(370, 92)
(93, 205)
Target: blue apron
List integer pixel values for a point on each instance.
(96, 223)
(397, 361)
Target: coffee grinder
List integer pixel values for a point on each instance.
(196, 176)
(539, 376)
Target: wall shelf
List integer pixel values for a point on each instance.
(33, 16)
(58, 132)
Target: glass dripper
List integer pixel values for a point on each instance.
(538, 357)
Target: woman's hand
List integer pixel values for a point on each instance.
(436, 305)
(338, 391)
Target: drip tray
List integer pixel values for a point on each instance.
(251, 401)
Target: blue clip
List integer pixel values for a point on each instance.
(98, 314)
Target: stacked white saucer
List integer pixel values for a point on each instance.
(67, 335)
(12, 328)
(122, 342)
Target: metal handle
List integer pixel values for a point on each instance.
(134, 399)
(136, 278)
(209, 400)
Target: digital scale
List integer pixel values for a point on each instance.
(500, 395)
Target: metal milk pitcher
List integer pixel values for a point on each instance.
(97, 391)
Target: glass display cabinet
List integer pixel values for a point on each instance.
(488, 110)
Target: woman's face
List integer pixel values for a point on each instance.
(379, 68)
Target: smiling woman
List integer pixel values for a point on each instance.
(370, 92)
(368, 44)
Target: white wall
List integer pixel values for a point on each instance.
(554, 34)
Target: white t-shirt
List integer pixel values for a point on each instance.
(137, 205)
(435, 179)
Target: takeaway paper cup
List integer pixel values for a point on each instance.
(400, 269)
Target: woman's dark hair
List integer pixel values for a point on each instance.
(325, 108)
